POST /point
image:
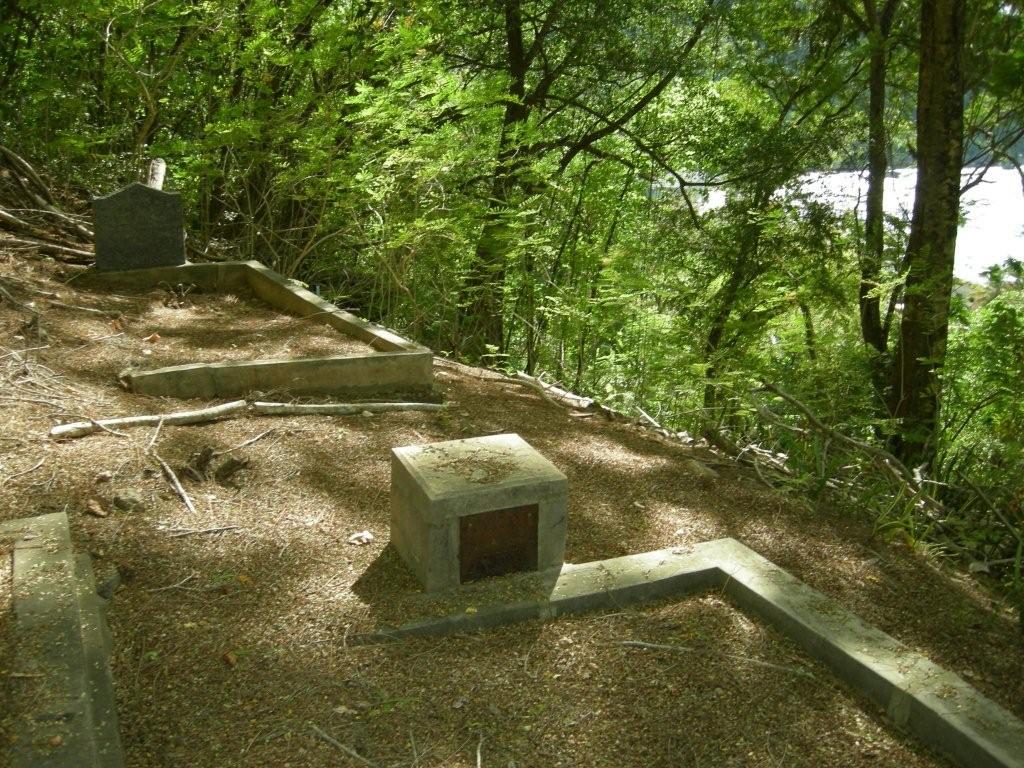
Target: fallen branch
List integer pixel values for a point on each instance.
(68, 254)
(648, 418)
(107, 429)
(180, 585)
(82, 428)
(569, 398)
(686, 649)
(343, 747)
(885, 461)
(6, 295)
(22, 474)
(181, 533)
(338, 409)
(174, 481)
(18, 163)
(248, 442)
(537, 386)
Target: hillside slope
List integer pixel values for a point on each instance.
(230, 623)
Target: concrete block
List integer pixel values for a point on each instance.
(437, 488)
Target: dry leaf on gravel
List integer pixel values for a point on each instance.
(361, 538)
(94, 508)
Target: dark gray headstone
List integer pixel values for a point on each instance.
(139, 227)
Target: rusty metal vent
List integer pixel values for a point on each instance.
(498, 542)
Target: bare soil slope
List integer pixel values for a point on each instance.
(230, 644)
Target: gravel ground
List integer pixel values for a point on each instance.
(230, 646)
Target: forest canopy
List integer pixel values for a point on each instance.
(608, 195)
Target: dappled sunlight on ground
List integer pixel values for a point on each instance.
(230, 645)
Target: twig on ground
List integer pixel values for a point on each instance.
(26, 472)
(36, 400)
(343, 747)
(746, 659)
(94, 340)
(248, 442)
(82, 428)
(107, 429)
(179, 533)
(156, 434)
(16, 352)
(174, 481)
(179, 585)
(6, 295)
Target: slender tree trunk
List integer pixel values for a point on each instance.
(877, 26)
(481, 321)
(716, 333)
(874, 223)
(921, 351)
(810, 337)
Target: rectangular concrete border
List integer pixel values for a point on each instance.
(934, 705)
(62, 636)
(395, 365)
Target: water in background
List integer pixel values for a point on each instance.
(994, 212)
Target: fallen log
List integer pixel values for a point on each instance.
(338, 409)
(82, 428)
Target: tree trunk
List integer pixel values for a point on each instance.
(921, 351)
(481, 322)
(877, 26)
(874, 223)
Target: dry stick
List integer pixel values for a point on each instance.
(648, 418)
(687, 649)
(22, 474)
(179, 585)
(536, 386)
(248, 442)
(20, 163)
(343, 747)
(339, 409)
(156, 434)
(16, 352)
(988, 502)
(6, 295)
(196, 532)
(80, 256)
(107, 429)
(82, 428)
(90, 310)
(880, 456)
(174, 481)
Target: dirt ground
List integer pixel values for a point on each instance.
(153, 329)
(229, 645)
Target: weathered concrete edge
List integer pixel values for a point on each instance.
(409, 365)
(345, 374)
(267, 284)
(63, 635)
(97, 645)
(935, 705)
